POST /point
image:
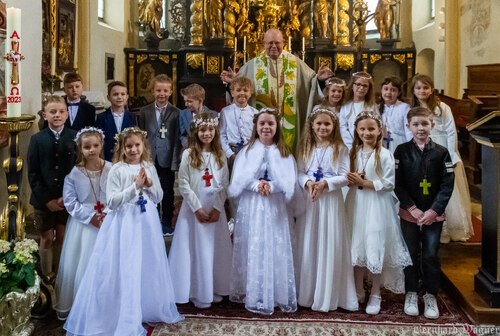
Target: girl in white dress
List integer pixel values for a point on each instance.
(333, 95)
(325, 278)
(84, 196)
(372, 212)
(393, 112)
(127, 281)
(359, 96)
(458, 223)
(264, 178)
(201, 252)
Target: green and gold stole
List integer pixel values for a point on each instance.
(276, 87)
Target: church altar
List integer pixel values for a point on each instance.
(221, 34)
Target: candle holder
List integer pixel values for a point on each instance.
(12, 218)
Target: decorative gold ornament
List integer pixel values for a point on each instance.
(213, 66)
(141, 58)
(325, 61)
(196, 23)
(375, 58)
(195, 60)
(343, 39)
(164, 58)
(345, 61)
(400, 58)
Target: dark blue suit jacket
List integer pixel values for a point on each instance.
(106, 122)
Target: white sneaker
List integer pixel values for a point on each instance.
(411, 304)
(373, 306)
(431, 307)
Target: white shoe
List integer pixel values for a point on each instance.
(431, 307)
(217, 298)
(373, 306)
(201, 305)
(411, 304)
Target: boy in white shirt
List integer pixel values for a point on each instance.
(236, 120)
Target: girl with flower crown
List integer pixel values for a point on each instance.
(325, 279)
(127, 281)
(84, 196)
(359, 97)
(263, 181)
(333, 95)
(201, 252)
(378, 247)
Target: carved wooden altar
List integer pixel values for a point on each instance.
(219, 34)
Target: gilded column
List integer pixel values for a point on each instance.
(230, 23)
(196, 23)
(452, 50)
(343, 24)
(404, 23)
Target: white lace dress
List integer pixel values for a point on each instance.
(377, 241)
(262, 270)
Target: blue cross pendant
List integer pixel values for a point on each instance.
(141, 202)
(266, 177)
(388, 140)
(318, 175)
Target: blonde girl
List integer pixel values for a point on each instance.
(325, 279)
(378, 247)
(333, 95)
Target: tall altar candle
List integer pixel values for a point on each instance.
(235, 43)
(289, 43)
(53, 56)
(303, 44)
(12, 62)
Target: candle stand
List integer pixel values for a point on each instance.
(12, 218)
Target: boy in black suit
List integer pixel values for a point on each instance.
(51, 156)
(116, 118)
(161, 120)
(80, 113)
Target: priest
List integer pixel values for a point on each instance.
(282, 81)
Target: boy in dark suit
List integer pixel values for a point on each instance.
(116, 118)
(161, 121)
(81, 113)
(51, 156)
(424, 183)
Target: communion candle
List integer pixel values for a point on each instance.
(303, 44)
(289, 43)
(53, 57)
(13, 62)
(235, 43)
(244, 43)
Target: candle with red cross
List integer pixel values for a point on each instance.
(13, 58)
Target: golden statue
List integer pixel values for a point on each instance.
(384, 18)
(321, 10)
(150, 14)
(360, 17)
(213, 17)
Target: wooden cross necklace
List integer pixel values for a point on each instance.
(207, 176)
(98, 207)
(364, 163)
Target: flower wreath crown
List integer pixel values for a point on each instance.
(368, 114)
(87, 130)
(321, 109)
(335, 81)
(198, 122)
(130, 130)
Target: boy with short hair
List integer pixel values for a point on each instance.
(160, 120)
(51, 156)
(81, 113)
(194, 96)
(236, 120)
(424, 183)
(116, 118)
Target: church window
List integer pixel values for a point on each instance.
(100, 10)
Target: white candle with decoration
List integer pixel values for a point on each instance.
(13, 59)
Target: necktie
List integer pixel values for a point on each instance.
(57, 135)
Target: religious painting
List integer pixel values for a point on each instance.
(66, 35)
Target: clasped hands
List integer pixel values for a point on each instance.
(264, 188)
(423, 218)
(142, 180)
(206, 218)
(316, 189)
(97, 219)
(355, 179)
